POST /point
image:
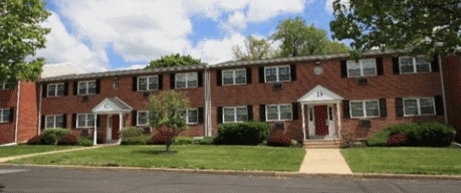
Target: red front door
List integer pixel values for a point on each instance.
(115, 127)
(321, 118)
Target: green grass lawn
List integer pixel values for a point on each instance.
(29, 149)
(408, 160)
(260, 158)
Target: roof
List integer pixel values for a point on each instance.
(123, 73)
(319, 94)
(60, 69)
(110, 106)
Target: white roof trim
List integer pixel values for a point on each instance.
(107, 106)
(320, 95)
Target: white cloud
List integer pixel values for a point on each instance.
(215, 51)
(132, 67)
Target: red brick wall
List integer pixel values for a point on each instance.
(8, 99)
(452, 81)
(28, 116)
(387, 86)
(71, 104)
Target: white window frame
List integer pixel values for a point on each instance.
(186, 116)
(87, 82)
(137, 118)
(86, 120)
(2, 111)
(55, 90)
(361, 63)
(186, 84)
(277, 73)
(54, 121)
(148, 82)
(364, 108)
(234, 108)
(4, 86)
(415, 70)
(279, 112)
(234, 77)
(418, 106)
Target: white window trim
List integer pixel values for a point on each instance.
(277, 73)
(186, 85)
(414, 65)
(87, 87)
(137, 118)
(364, 108)
(186, 116)
(55, 90)
(279, 112)
(147, 82)
(361, 68)
(233, 77)
(235, 114)
(418, 106)
(2, 111)
(54, 121)
(86, 120)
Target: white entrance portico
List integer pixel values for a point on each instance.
(321, 120)
(113, 108)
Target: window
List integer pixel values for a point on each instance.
(186, 80)
(56, 89)
(85, 120)
(142, 118)
(418, 106)
(54, 121)
(5, 85)
(191, 115)
(234, 77)
(365, 67)
(235, 114)
(5, 115)
(277, 74)
(364, 109)
(413, 64)
(86, 87)
(279, 112)
(148, 83)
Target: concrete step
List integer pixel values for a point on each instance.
(322, 143)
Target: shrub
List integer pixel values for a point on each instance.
(435, 134)
(294, 142)
(101, 138)
(161, 138)
(132, 132)
(138, 140)
(250, 133)
(49, 139)
(183, 140)
(279, 140)
(68, 140)
(379, 138)
(59, 132)
(35, 140)
(85, 141)
(207, 141)
(398, 139)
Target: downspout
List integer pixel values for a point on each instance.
(40, 109)
(443, 89)
(17, 114)
(207, 102)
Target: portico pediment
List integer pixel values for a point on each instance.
(110, 106)
(320, 95)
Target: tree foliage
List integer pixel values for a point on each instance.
(420, 26)
(165, 111)
(173, 60)
(298, 39)
(20, 36)
(255, 49)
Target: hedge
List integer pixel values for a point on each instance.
(132, 132)
(68, 140)
(249, 133)
(279, 140)
(138, 140)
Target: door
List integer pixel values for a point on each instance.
(115, 127)
(321, 120)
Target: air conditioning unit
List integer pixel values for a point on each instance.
(365, 123)
(85, 98)
(277, 86)
(362, 81)
(146, 94)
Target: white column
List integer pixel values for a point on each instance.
(338, 110)
(120, 121)
(304, 122)
(95, 135)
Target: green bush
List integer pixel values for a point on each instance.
(138, 140)
(132, 132)
(183, 140)
(207, 141)
(379, 138)
(250, 133)
(85, 141)
(36, 140)
(68, 140)
(49, 139)
(51, 135)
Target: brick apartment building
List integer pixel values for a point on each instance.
(307, 97)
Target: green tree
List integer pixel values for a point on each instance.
(20, 36)
(255, 49)
(173, 60)
(419, 26)
(298, 39)
(165, 112)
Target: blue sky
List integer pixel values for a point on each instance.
(112, 35)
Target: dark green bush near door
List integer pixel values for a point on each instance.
(249, 133)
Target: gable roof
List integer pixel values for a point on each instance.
(111, 105)
(319, 94)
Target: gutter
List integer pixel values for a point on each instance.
(443, 89)
(17, 114)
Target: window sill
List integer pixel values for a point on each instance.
(234, 84)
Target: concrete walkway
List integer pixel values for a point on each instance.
(324, 161)
(5, 159)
